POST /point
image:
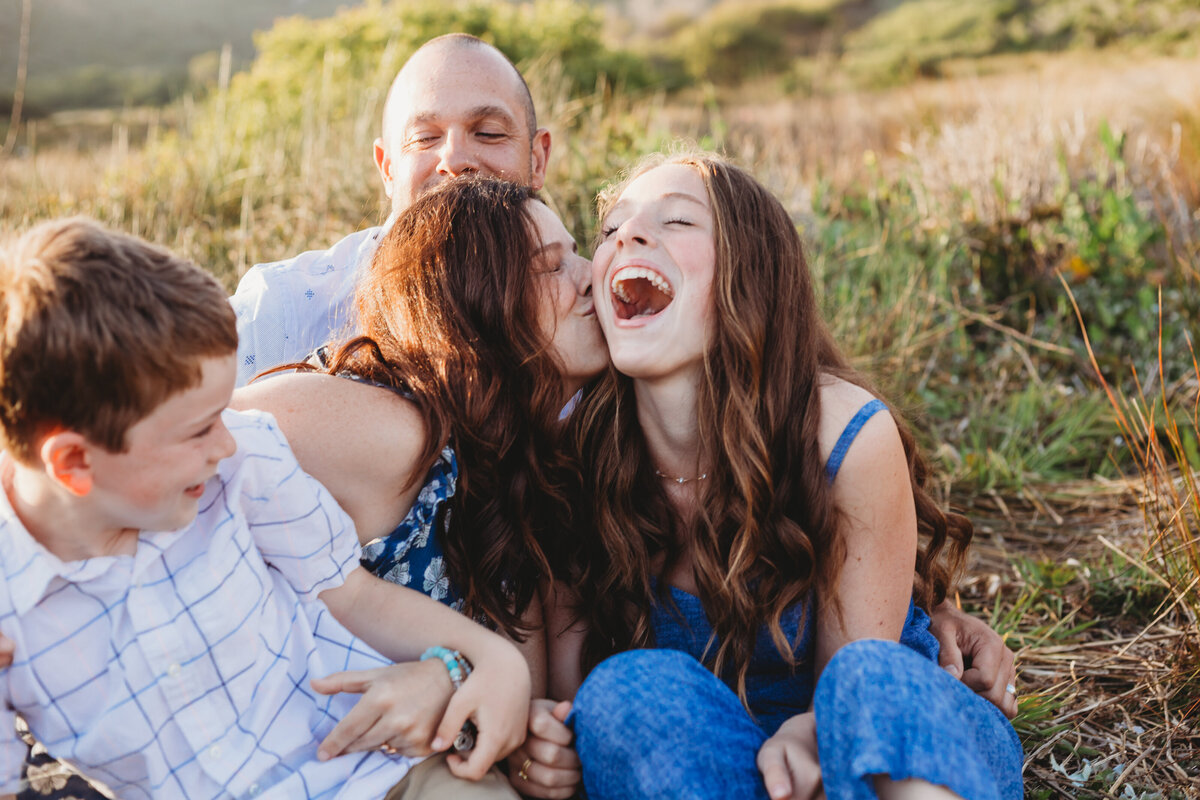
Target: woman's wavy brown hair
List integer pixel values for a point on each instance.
(767, 532)
(448, 314)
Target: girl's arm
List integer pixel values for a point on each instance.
(873, 490)
(546, 765)
(879, 528)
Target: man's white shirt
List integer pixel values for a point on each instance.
(287, 309)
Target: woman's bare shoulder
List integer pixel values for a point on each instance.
(355, 438)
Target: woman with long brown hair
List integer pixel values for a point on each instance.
(436, 429)
(754, 505)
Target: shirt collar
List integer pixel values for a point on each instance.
(27, 566)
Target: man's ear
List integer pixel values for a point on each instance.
(383, 163)
(539, 156)
(67, 458)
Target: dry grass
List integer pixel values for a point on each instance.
(1105, 706)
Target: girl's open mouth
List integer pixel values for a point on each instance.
(640, 292)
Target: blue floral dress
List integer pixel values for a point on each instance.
(411, 555)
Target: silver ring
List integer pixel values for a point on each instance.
(1011, 689)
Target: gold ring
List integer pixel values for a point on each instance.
(521, 773)
(387, 748)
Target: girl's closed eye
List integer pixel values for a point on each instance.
(678, 221)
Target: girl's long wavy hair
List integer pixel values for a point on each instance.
(767, 531)
(448, 313)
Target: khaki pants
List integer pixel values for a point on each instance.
(432, 779)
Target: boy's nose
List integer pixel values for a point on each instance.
(226, 445)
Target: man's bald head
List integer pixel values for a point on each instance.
(446, 45)
(458, 105)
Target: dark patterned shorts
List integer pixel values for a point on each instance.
(50, 779)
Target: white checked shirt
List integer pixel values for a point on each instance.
(182, 671)
(287, 309)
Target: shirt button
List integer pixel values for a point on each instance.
(174, 670)
(214, 751)
(254, 789)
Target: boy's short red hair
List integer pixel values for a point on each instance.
(98, 329)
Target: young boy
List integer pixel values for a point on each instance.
(161, 557)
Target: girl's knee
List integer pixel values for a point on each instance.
(635, 677)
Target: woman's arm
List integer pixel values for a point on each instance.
(402, 623)
(361, 442)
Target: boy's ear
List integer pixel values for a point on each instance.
(66, 455)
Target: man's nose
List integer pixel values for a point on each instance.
(457, 157)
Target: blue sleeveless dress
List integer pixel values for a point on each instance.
(657, 724)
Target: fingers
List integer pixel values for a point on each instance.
(942, 626)
(992, 673)
(357, 721)
(546, 721)
(530, 776)
(551, 754)
(487, 744)
(950, 655)
(997, 691)
(772, 763)
(356, 681)
(788, 760)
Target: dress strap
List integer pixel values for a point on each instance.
(320, 358)
(848, 435)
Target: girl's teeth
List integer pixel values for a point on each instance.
(630, 273)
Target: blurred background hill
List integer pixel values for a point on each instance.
(84, 53)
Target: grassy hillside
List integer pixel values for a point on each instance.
(87, 53)
(124, 52)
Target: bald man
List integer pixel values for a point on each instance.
(457, 106)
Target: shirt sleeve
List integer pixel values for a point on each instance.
(262, 325)
(294, 521)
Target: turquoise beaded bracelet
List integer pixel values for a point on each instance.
(456, 663)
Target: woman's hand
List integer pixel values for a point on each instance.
(971, 651)
(496, 698)
(546, 765)
(400, 707)
(788, 761)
